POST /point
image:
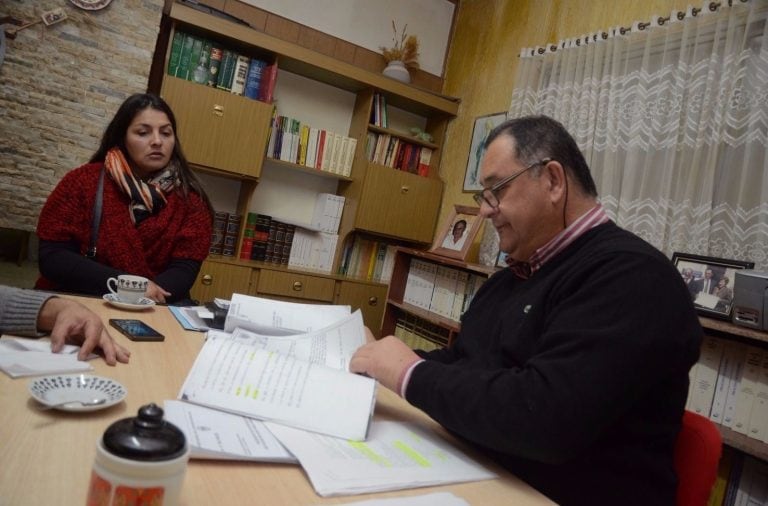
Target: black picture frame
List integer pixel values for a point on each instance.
(717, 300)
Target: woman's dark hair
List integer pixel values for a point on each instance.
(114, 135)
(540, 137)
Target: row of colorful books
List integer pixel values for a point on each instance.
(368, 259)
(741, 480)
(292, 141)
(207, 62)
(266, 239)
(729, 384)
(379, 111)
(392, 151)
(226, 228)
(419, 334)
(440, 289)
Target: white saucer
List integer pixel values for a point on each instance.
(143, 303)
(50, 390)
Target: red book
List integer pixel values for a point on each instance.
(320, 149)
(268, 79)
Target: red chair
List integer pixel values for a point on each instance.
(697, 453)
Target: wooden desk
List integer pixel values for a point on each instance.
(47, 455)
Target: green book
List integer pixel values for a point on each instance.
(200, 74)
(186, 53)
(225, 71)
(175, 57)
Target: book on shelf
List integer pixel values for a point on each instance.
(253, 78)
(300, 380)
(239, 74)
(724, 375)
(268, 81)
(214, 64)
(326, 216)
(739, 355)
(758, 420)
(312, 250)
(228, 59)
(183, 68)
(745, 395)
(219, 231)
(706, 376)
(175, 54)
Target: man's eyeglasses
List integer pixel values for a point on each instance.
(490, 195)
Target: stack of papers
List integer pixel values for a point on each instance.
(274, 386)
(33, 357)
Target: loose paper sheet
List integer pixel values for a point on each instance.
(396, 456)
(33, 357)
(215, 434)
(274, 317)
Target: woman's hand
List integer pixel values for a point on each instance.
(156, 293)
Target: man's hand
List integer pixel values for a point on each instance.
(72, 323)
(156, 292)
(385, 360)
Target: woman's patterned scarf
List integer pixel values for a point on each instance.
(146, 198)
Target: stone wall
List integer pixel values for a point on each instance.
(59, 87)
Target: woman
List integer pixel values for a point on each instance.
(156, 220)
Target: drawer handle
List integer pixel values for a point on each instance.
(297, 286)
(373, 301)
(218, 110)
(404, 189)
(207, 279)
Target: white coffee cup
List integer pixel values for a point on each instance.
(128, 288)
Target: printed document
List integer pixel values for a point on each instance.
(214, 434)
(396, 456)
(274, 317)
(300, 381)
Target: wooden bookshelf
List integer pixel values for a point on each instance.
(748, 336)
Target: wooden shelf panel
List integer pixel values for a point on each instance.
(403, 136)
(306, 170)
(317, 66)
(446, 323)
(452, 262)
(730, 328)
(744, 443)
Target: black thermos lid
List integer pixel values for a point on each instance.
(147, 437)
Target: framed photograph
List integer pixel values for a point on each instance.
(710, 282)
(483, 127)
(458, 233)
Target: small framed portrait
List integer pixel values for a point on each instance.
(710, 281)
(483, 127)
(458, 232)
(53, 16)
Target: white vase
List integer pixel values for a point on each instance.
(397, 70)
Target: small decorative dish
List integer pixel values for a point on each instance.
(143, 302)
(67, 392)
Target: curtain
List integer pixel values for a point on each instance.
(672, 116)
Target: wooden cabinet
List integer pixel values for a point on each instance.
(367, 297)
(399, 204)
(220, 280)
(294, 285)
(746, 336)
(219, 130)
(417, 314)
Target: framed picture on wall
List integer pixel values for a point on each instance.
(483, 127)
(710, 282)
(458, 232)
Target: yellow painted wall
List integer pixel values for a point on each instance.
(484, 56)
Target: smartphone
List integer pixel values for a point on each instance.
(136, 330)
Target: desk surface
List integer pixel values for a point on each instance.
(47, 455)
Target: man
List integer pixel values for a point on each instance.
(708, 283)
(571, 367)
(457, 237)
(28, 312)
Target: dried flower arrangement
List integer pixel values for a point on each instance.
(406, 49)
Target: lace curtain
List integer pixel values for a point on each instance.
(672, 116)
